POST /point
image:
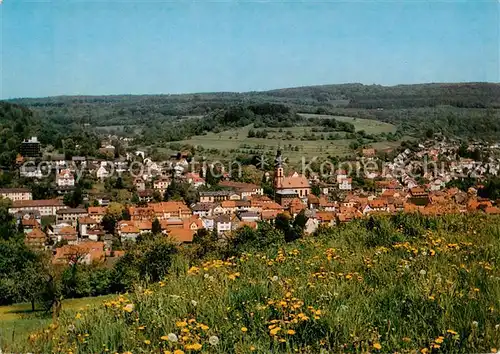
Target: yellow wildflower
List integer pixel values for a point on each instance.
(244, 329)
(290, 332)
(274, 331)
(195, 346)
(147, 342)
(181, 324)
(377, 346)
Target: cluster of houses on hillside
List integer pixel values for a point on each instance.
(79, 232)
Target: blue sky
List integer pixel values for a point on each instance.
(139, 47)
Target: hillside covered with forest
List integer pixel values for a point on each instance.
(464, 110)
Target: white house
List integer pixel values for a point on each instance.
(102, 173)
(161, 184)
(341, 175)
(65, 178)
(345, 184)
(16, 194)
(208, 223)
(223, 224)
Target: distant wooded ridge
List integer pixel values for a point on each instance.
(463, 95)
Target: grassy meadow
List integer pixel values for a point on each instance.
(403, 284)
(234, 139)
(18, 321)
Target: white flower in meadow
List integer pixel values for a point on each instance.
(497, 327)
(275, 278)
(211, 278)
(172, 337)
(475, 323)
(213, 340)
(71, 328)
(129, 307)
(423, 272)
(194, 302)
(205, 275)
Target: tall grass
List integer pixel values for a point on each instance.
(400, 284)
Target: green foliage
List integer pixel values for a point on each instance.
(156, 227)
(148, 260)
(181, 191)
(16, 124)
(74, 198)
(247, 238)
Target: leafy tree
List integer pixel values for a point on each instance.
(149, 259)
(109, 223)
(119, 183)
(316, 190)
(299, 223)
(74, 198)
(156, 227)
(204, 242)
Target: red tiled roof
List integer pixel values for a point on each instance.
(36, 234)
(37, 203)
(181, 235)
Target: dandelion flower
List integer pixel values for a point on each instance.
(290, 332)
(181, 324)
(244, 329)
(194, 346)
(213, 340)
(178, 351)
(377, 346)
(274, 331)
(78, 315)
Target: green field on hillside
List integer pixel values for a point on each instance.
(370, 126)
(237, 140)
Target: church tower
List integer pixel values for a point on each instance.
(279, 174)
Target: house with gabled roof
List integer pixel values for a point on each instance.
(36, 239)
